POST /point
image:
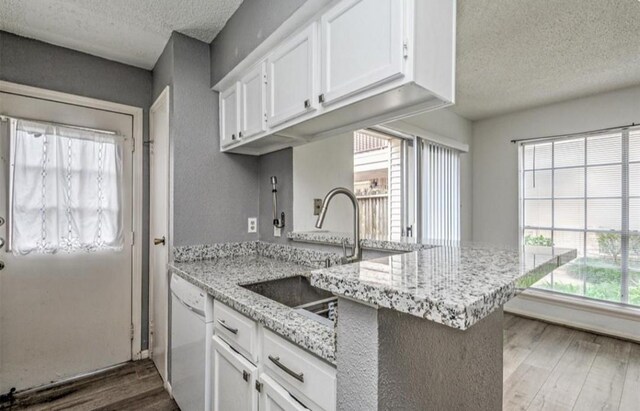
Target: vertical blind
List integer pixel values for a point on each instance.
(583, 192)
(441, 192)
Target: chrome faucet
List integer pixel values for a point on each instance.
(356, 253)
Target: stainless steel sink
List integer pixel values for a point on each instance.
(296, 292)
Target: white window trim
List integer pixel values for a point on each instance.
(137, 115)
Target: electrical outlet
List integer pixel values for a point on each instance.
(317, 206)
(277, 232)
(252, 225)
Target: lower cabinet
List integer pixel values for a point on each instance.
(273, 397)
(254, 368)
(234, 380)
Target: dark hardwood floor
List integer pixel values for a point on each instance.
(546, 367)
(132, 386)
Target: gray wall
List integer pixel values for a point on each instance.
(213, 193)
(253, 22)
(279, 164)
(495, 161)
(39, 64)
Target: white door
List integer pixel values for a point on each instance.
(65, 294)
(230, 115)
(159, 231)
(273, 397)
(252, 102)
(291, 73)
(234, 380)
(362, 46)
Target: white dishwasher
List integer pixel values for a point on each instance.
(191, 337)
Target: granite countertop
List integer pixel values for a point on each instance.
(228, 266)
(455, 285)
(339, 238)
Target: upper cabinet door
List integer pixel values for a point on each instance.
(291, 71)
(253, 101)
(362, 46)
(230, 115)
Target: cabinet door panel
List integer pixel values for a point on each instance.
(252, 103)
(229, 115)
(362, 46)
(273, 397)
(233, 380)
(291, 73)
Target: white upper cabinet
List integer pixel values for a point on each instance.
(253, 102)
(291, 73)
(362, 46)
(338, 65)
(230, 115)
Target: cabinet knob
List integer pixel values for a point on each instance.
(321, 98)
(240, 134)
(307, 103)
(233, 136)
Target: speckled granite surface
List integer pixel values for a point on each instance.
(335, 238)
(227, 266)
(452, 285)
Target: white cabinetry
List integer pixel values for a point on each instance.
(230, 115)
(336, 66)
(252, 102)
(234, 380)
(362, 46)
(291, 77)
(273, 397)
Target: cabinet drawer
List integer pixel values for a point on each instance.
(238, 331)
(299, 371)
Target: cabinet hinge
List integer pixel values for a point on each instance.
(133, 238)
(245, 375)
(133, 330)
(133, 145)
(258, 386)
(405, 49)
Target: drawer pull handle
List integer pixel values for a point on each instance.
(226, 327)
(276, 361)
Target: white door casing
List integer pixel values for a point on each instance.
(159, 229)
(67, 314)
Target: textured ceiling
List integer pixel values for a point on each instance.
(511, 54)
(129, 31)
(517, 54)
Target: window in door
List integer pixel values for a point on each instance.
(584, 193)
(65, 189)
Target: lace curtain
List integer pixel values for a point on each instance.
(65, 189)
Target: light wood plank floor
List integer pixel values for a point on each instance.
(546, 367)
(132, 386)
(549, 367)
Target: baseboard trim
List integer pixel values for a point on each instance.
(600, 318)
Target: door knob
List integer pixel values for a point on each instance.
(157, 241)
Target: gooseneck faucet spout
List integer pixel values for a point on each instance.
(356, 254)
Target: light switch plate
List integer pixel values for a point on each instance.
(277, 232)
(252, 225)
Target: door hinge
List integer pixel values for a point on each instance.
(133, 330)
(258, 386)
(405, 49)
